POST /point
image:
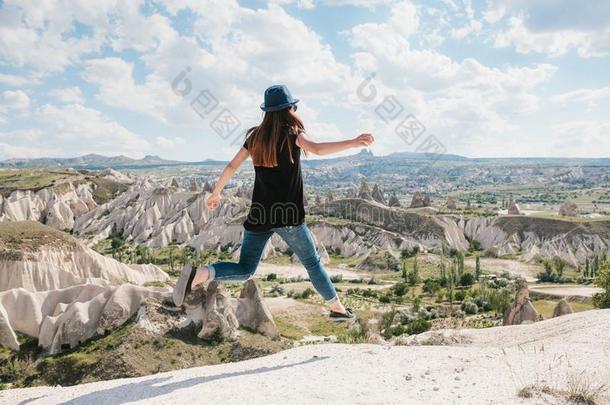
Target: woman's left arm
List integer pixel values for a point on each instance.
(326, 148)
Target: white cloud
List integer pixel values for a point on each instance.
(590, 96)
(552, 27)
(235, 53)
(404, 18)
(465, 103)
(17, 80)
(473, 27)
(582, 139)
(13, 100)
(68, 95)
(82, 130)
(117, 87)
(169, 143)
(42, 35)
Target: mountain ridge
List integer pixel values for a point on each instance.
(97, 161)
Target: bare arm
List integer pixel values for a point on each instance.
(326, 148)
(225, 176)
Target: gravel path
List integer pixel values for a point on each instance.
(489, 366)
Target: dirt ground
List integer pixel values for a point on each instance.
(514, 267)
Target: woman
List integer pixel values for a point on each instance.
(277, 201)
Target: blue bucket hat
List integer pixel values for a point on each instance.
(277, 98)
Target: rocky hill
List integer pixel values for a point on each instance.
(56, 198)
(154, 214)
(562, 360)
(39, 258)
(533, 237)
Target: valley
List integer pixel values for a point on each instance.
(414, 252)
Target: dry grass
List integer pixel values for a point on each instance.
(580, 389)
(29, 236)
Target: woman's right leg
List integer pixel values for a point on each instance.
(252, 248)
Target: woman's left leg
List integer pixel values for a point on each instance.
(252, 247)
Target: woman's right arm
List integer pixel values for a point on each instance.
(213, 200)
(326, 148)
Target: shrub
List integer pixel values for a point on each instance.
(271, 277)
(306, 293)
(469, 307)
(460, 295)
(431, 286)
(369, 293)
(385, 299)
(467, 279)
(474, 246)
(400, 289)
(277, 291)
(406, 317)
(397, 330)
(407, 253)
(337, 278)
(418, 326)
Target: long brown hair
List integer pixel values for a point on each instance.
(263, 139)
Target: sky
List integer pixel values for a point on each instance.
(183, 79)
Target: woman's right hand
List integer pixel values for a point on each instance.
(363, 140)
(213, 201)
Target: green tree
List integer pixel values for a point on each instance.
(602, 299)
(560, 265)
(413, 276)
(548, 267)
(586, 271)
(477, 267)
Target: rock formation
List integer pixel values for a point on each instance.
(155, 216)
(393, 202)
(329, 197)
(563, 307)
(533, 237)
(56, 206)
(351, 193)
(513, 208)
(175, 183)
(568, 209)
(522, 310)
(62, 319)
(451, 203)
(38, 258)
(212, 310)
(252, 313)
(318, 200)
(364, 192)
(418, 201)
(244, 192)
(207, 187)
(194, 187)
(117, 177)
(377, 194)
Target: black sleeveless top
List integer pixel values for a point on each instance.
(277, 199)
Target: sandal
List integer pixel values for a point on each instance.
(183, 285)
(348, 315)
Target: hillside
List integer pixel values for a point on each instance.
(559, 360)
(38, 258)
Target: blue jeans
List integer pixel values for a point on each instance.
(298, 239)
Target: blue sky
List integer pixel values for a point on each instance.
(501, 78)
